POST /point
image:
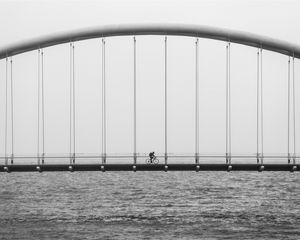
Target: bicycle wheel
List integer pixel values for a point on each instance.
(148, 161)
(155, 161)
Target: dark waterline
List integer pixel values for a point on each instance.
(150, 205)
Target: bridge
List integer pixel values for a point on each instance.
(40, 161)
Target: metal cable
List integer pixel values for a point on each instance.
(294, 111)
(166, 105)
(102, 129)
(257, 107)
(43, 107)
(134, 99)
(38, 112)
(261, 108)
(6, 102)
(197, 102)
(288, 113)
(229, 103)
(71, 84)
(226, 113)
(74, 127)
(102, 151)
(12, 110)
(103, 104)
(104, 98)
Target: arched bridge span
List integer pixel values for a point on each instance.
(229, 36)
(199, 31)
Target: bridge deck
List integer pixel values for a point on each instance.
(149, 167)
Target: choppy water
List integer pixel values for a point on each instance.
(150, 205)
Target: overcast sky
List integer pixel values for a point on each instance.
(21, 20)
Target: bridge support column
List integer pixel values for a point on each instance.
(294, 168)
(229, 168)
(166, 168)
(261, 168)
(38, 168)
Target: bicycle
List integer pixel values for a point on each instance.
(153, 160)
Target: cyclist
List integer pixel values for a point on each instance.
(152, 156)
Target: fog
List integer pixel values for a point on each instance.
(24, 20)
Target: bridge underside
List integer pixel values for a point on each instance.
(149, 167)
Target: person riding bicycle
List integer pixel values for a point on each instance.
(152, 155)
(152, 159)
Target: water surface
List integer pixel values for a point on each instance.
(150, 205)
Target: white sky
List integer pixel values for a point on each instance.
(20, 20)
